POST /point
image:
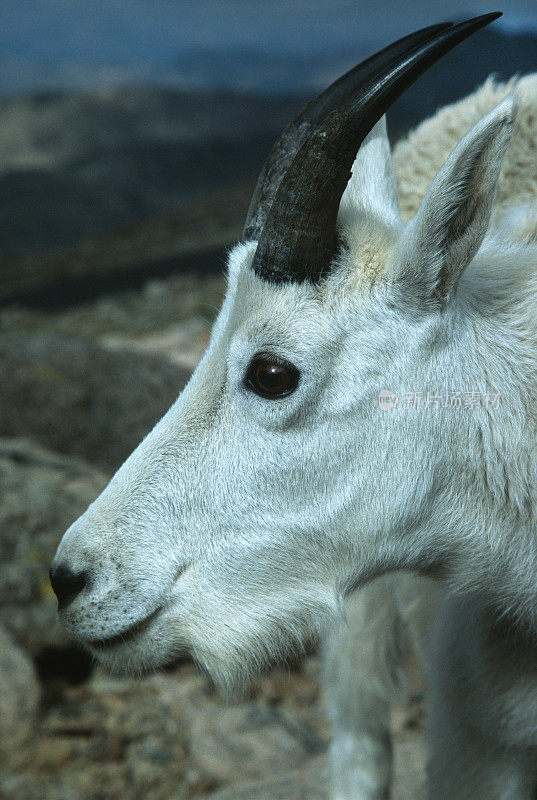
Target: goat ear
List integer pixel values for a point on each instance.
(446, 233)
(372, 189)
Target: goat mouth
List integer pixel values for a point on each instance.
(126, 635)
(131, 632)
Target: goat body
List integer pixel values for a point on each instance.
(481, 681)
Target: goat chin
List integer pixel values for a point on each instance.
(242, 654)
(229, 648)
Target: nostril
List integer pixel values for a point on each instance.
(66, 584)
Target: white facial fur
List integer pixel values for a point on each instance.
(237, 526)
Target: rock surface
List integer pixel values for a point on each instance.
(169, 737)
(41, 494)
(309, 783)
(79, 398)
(19, 697)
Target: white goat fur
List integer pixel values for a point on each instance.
(482, 674)
(239, 525)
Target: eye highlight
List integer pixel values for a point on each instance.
(271, 377)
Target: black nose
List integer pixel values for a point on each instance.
(66, 584)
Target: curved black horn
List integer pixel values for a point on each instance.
(311, 115)
(299, 235)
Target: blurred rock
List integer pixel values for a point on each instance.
(183, 344)
(192, 237)
(41, 494)
(19, 696)
(308, 783)
(93, 160)
(258, 738)
(133, 739)
(78, 398)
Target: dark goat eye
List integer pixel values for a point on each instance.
(271, 378)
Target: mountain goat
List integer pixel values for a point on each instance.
(366, 405)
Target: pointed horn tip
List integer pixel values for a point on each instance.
(486, 19)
